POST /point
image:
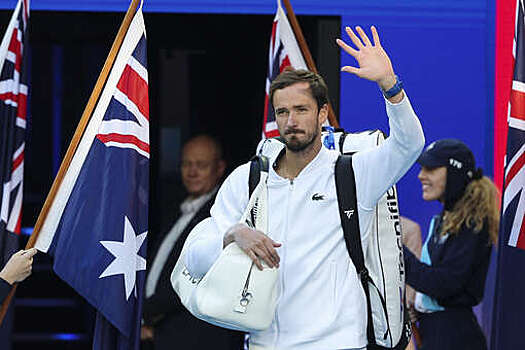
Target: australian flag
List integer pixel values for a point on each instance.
(284, 52)
(97, 225)
(13, 107)
(509, 305)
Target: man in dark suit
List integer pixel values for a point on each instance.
(166, 322)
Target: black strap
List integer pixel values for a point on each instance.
(258, 163)
(342, 139)
(347, 200)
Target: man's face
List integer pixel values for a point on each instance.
(201, 170)
(298, 118)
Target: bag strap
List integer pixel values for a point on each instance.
(342, 139)
(258, 163)
(347, 201)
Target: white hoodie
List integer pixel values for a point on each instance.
(322, 304)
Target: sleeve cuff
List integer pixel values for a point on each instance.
(5, 288)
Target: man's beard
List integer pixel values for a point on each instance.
(296, 145)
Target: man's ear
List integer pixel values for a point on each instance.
(323, 114)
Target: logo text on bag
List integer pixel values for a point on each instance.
(391, 203)
(186, 274)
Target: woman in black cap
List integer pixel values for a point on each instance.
(450, 277)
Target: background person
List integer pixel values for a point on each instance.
(450, 278)
(167, 323)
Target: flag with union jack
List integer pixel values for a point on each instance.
(97, 224)
(509, 305)
(284, 52)
(13, 107)
(513, 222)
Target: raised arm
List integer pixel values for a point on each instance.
(378, 169)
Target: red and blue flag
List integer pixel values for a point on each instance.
(97, 224)
(13, 116)
(509, 305)
(513, 219)
(284, 52)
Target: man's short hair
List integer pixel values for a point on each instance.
(289, 77)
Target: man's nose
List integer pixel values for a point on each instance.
(191, 168)
(292, 119)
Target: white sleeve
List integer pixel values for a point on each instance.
(378, 169)
(227, 210)
(232, 199)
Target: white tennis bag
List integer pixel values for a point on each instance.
(384, 255)
(234, 293)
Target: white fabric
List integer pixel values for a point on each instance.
(234, 293)
(188, 209)
(322, 305)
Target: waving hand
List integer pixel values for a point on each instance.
(374, 63)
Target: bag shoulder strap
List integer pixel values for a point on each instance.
(347, 201)
(258, 163)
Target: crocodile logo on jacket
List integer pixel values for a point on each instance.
(317, 197)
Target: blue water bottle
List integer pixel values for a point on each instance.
(329, 139)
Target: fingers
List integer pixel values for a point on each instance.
(265, 251)
(255, 259)
(30, 252)
(354, 38)
(264, 256)
(359, 42)
(271, 253)
(363, 36)
(257, 246)
(375, 35)
(349, 49)
(350, 69)
(20, 252)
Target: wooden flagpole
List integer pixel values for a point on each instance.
(93, 99)
(306, 54)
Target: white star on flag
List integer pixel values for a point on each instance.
(127, 261)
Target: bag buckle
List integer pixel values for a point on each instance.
(243, 303)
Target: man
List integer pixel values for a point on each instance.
(166, 321)
(321, 302)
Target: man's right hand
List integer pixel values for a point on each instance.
(255, 244)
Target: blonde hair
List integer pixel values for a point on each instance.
(479, 203)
